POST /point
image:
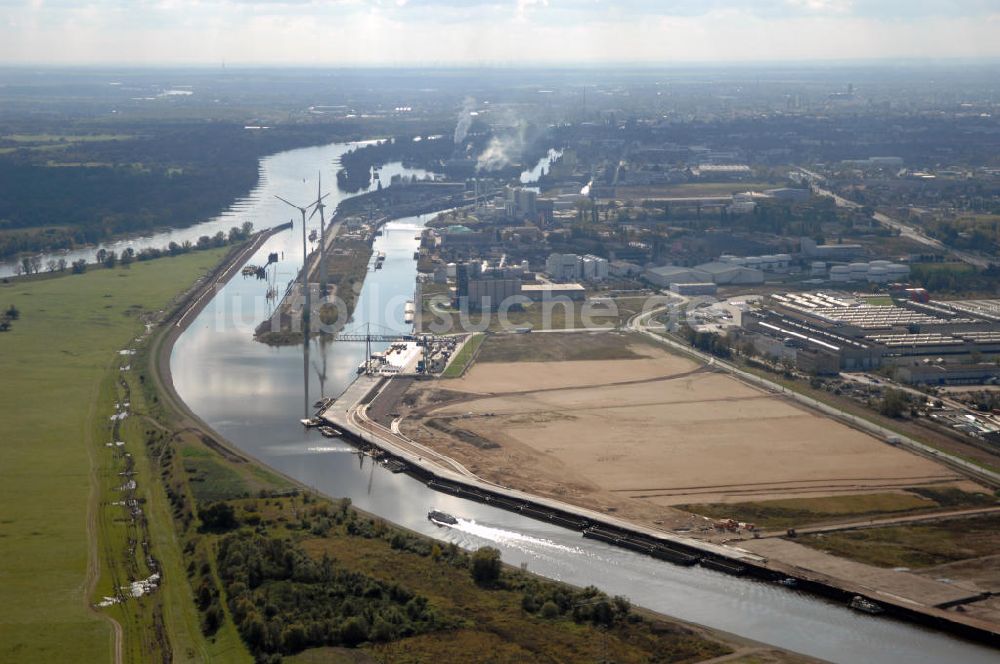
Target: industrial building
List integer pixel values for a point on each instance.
(828, 252)
(479, 289)
(721, 172)
(490, 294)
(548, 292)
(694, 289)
(521, 203)
(789, 193)
(778, 263)
(665, 275)
(830, 332)
(729, 274)
(572, 266)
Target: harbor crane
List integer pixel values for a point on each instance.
(368, 338)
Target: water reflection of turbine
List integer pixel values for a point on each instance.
(321, 370)
(371, 477)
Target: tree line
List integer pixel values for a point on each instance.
(33, 264)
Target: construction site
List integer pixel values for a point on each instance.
(638, 436)
(672, 445)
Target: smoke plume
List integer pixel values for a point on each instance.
(464, 120)
(503, 150)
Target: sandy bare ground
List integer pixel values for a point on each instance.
(637, 436)
(892, 583)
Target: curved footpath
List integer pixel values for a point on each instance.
(348, 413)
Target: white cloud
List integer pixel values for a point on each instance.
(495, 31)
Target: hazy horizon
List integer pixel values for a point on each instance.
(358, 33)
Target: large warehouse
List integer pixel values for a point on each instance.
(721, 274)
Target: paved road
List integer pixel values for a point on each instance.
(905, 230)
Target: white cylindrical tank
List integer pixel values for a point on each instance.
(878, 274)
(840, 273)
(753, 261)
(880, 263)
(859, 271)
(817, 269)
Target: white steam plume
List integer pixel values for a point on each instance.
(503, 150)
(464, 120)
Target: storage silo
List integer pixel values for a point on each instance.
(859, 271)
(817, 269)
(840, 273)
(878, 274)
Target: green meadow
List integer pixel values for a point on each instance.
(60, 365)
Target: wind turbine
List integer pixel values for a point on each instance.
(305, 268)
(321, 207)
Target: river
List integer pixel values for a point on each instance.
(254, 394)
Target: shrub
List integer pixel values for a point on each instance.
(486, 566)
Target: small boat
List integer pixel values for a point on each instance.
(441, 518)
(864, 605)
(329, 432)
(311, 422)
(789, 582)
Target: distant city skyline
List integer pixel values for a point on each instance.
(497, 32)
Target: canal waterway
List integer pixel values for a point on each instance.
(253, 395)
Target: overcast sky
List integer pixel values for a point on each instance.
(496, 32)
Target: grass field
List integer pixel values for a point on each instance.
(798, 512)
(463, 357)
(561, 347)
(60, 367)
(918, 545)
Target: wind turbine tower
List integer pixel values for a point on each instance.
(307, 306)
(321, 207)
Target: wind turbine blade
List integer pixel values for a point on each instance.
(287, 202)
(315, 210)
